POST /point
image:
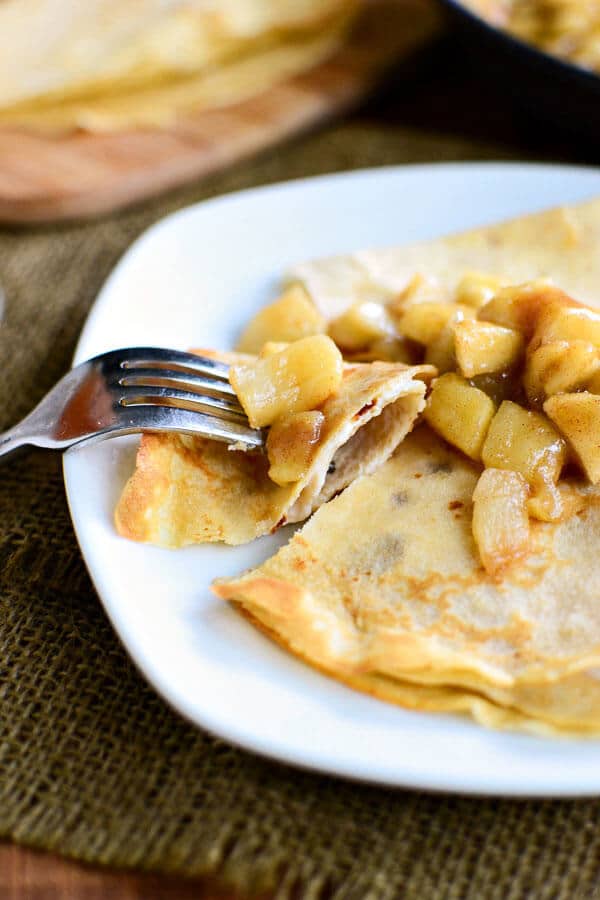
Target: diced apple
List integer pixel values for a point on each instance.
(291, 317)
(525, 442)
(290, 445)
(578, 418)
(420, 289)
(422, 322)
(555, 502)
(386, 349)
(440, 351)
(558, 367)
(460, 413)
(519, 306)
(477, 288)
(298, 378)
(482, 347)
(360, 325)
(593, 385)
(567, 322)
(272, 347)
(500, 519)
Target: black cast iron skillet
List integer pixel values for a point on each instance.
(555, 91)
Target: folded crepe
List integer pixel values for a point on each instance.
(402, 608)
(560, 244)
(187, 490)
(92, 65)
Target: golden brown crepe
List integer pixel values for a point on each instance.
(560, 244)
(89, 65)
(402, 608)
(187, 490)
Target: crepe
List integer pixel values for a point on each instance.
(188, 490)
(402, 608)
(66, 65)
(561, 244)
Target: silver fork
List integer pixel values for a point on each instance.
(136, 390)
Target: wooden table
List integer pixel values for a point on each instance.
(31, 875)
(446, 113)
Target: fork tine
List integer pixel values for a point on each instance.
(158, 419)
(159, 395)
(156, 357)
(190, 381)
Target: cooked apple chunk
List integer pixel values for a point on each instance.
(440, 352)
(477, 288)
(296, 379)
(290, 445)
(272, 347)
(593, 385)
(500, 519)
(519, 306)
(360, 325)
(482, 347)
(385, 349)
(422, 322)
(578, 418)
(460, 413)
(420, 289)
(555, 502)
(567, 321)
(291, 317)
(558, 367)
(525, 442)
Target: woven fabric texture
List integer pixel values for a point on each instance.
(94, 765)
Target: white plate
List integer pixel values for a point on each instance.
(194, 279)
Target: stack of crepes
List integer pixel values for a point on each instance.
(107, 66)
(384, 588)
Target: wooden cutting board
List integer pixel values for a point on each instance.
(45, 178)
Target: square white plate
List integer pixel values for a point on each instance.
(194, 279)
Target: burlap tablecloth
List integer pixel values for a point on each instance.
(94, 765)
